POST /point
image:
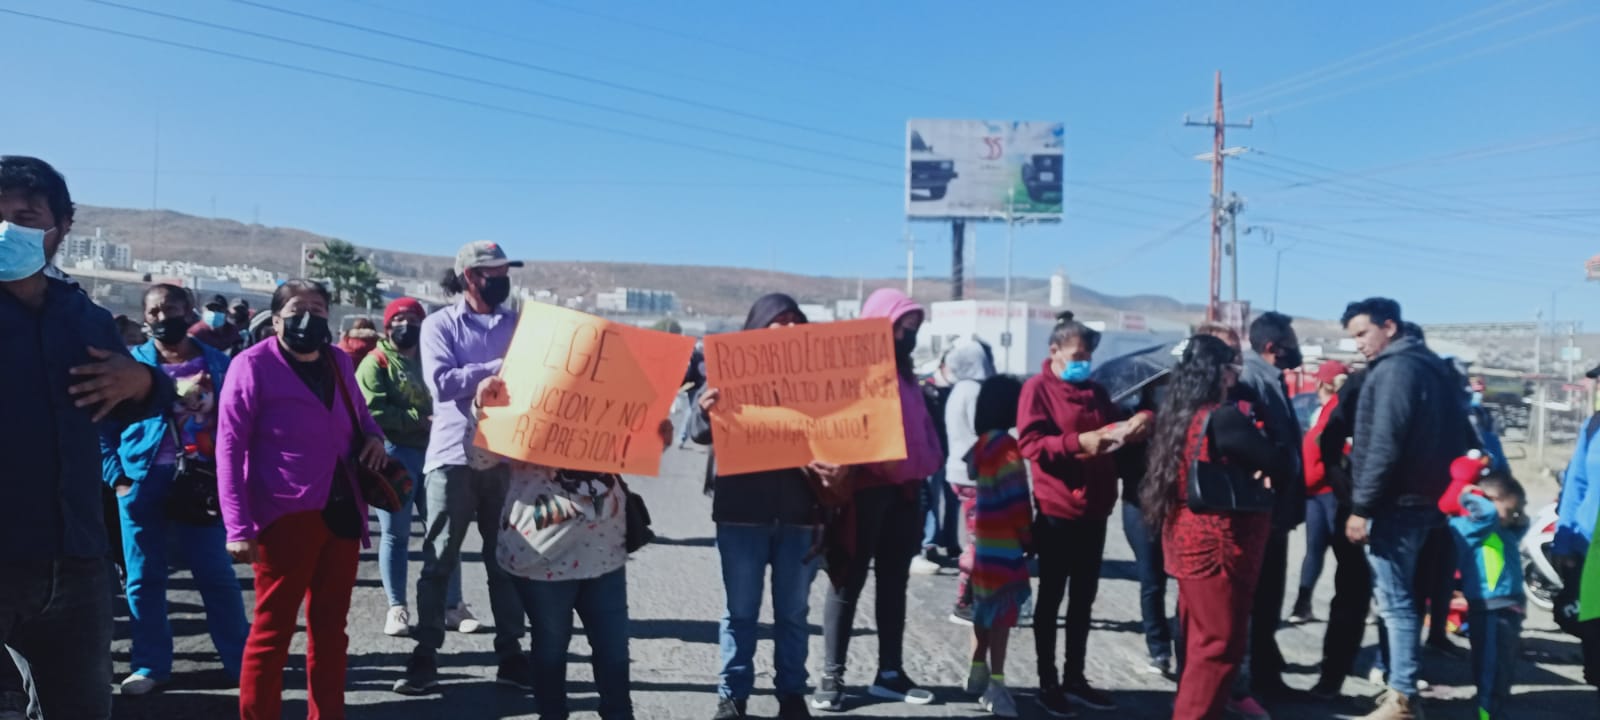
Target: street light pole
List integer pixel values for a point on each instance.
(1006, 339)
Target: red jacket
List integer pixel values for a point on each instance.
(1311, 451)
(1050, 416)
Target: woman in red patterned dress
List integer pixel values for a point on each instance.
(1216, 556)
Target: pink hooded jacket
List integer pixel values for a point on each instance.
(923, 454)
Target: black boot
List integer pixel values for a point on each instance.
(1302, 607)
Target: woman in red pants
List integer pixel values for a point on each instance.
(287, 416)
(1216, 556)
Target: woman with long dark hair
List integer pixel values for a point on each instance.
(1216, 556)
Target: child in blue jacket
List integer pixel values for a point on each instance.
(1488, 524)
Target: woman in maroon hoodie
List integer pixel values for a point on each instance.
(1068, 427)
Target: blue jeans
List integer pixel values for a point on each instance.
(395, 530)
(1320, 513)
(1496, 639)
(1149, 559)
(941, 514)
(602, 604)
(746, 552)
(1395, 537)
(57, 617)
(147, 537)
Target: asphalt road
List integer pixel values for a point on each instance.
(676, 598)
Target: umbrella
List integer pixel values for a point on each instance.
(1125, 377)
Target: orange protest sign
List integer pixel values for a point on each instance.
(791, 395)
(586, 393)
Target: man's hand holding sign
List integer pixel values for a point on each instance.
(809, 395)
(583, 393)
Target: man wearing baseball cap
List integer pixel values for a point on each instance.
(461, 346)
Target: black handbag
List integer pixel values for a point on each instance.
(1216, 485)
(193, 499)
(639, 533)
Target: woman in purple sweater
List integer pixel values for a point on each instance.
(288, 412)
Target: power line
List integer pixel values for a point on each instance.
(1151, 244)
(545, 44)
(1397, 186)
(1402, 48)
(459, 180)
(1552, 30)
(1305, 75)
(1431, 252)
(566, 74)
(503, 86)
(446, 98)
(807, 64)
(1281, 173)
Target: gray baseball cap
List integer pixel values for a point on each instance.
(482, 254)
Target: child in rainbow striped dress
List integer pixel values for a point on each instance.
(1001, 538)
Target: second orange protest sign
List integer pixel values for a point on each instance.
(586, 393)
(791, 395)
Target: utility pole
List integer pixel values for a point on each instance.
(1232, 208)
(1538, 340)
(958, 241)
(911, 264)
(1218, 127)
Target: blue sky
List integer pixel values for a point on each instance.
(1444, 153)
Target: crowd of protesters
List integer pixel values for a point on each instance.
(230, 437)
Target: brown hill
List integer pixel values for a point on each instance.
(710, 290)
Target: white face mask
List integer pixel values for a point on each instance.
(21, 251)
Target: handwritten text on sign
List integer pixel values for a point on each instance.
(586, 393)
(792, 395)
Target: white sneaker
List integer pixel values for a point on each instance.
(997, 699)
(921, 565)
(137, 684)
(461, 620)
(398, 623)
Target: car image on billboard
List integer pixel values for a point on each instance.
(983, 169)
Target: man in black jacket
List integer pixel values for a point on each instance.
(1274, 348)
(1407, 432)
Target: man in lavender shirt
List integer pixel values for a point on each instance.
(461, 346)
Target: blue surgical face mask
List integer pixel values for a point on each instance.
(1477, 399)
(1076, 371)
(21, 251)
(216, 318)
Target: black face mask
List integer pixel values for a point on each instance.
(305, 333)
(405, 337)
(905, 344)
(170, 331)
(1289, 358)
(495, 290)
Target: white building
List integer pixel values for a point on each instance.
(953, 321)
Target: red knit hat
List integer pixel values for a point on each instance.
(1330, 371)
(402, 305)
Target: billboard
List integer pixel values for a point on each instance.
(976, 168)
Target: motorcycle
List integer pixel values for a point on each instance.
(1538, 573)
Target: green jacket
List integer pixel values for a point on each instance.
(393, 386)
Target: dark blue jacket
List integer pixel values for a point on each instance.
(1410, 425)
(50, 487)
(132, 453)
